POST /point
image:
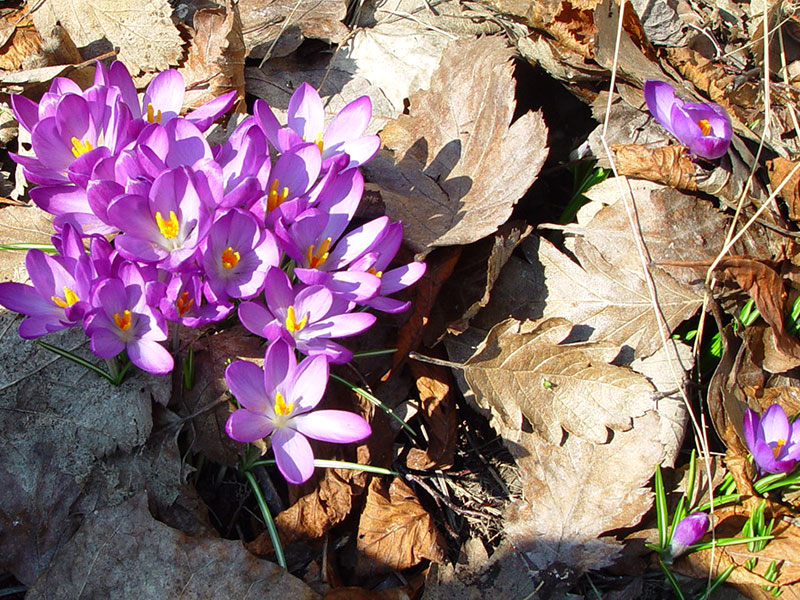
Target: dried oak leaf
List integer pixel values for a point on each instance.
(21, 224)
(576, 491)
(19, 37)
(438, 411)
(395, 532)
(215, 64)
(779, 169)
(669, 165)
(609, 303)
(520, 370)
(141, 29)
(59, 422)
(453, 168)
(122, 552)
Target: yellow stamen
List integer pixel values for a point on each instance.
(70, 298)
(318, 141)
(777, 449)
(230, 258)
(79, 147)
(169, 229)
(274, 199)
(152, 116)
(291, 321)
(184, 303)
(281, 408)
(316, 259)
(372, 270)
(705, 127)
(123, 322)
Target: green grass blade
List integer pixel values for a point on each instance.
(661, 509)
(76, 359)
(270, 523)
(362, 392)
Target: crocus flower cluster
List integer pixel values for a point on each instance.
(155, 226)
(774, 442)
(703, 127)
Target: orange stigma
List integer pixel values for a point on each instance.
(281, 408)
(152, 115)
(70, 298)
(777, 449)
(124, 321)
(80, 147)
(318, 141)
(291, 321)
(377, 274)
(274, 199)
(705, 127)
(184, 303)
(229, 258)
(315, 259)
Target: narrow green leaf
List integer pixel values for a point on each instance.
(362, 392)
(268, 521)
(661, 509)
(672, 581)
(76, 359)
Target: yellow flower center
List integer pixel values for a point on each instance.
(705, 127)
(318, 141)
(315, 259)
(124, 321)
(152, 115)
(281, 408)
(168, 228)
(274, 199)
(291, 321)
(70, 298)
(372, 270)
(229, 258)
(80, 147)
(184, 303)
(777, 449)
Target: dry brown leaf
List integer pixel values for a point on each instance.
(292, 20)
(142, 29)
(215, 64)
(452, 169)
(406, 592)
(469, 287)
(520, 370)
(788, 397)
(765, 287)
(576, 491)
(438, 410)
(395, 532)
(124, 552)
(669, 165)
(611, 303)
(21, 224)
(20, 39)
(779, 169)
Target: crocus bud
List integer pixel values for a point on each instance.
(688, 531)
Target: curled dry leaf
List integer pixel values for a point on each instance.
(576, 491)
(19, 38)
(21, 224)
(215, 64)
(450, 170)
(122, 552)
(520, 370)
(439, 413)
(141, 29)
(669, 165)
(779, 169)
(395, 532)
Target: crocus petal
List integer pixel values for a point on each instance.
(23, 299)
(361, 150)
(660, 98)
(293, 454)
(387, 305)
(246, 382)
(165, 92)
(306, 115)
(336, 426)
(35, 327)
(765, 458)
(687, 532)
(26, 111)
(245, 426)
(342, 325)
(402, 277)
(105, 344)
(255, 317)
(309, 383)
(203, 116)
(279, 364)
(750, 427)
(267, 121)
(277, 290)
(349, 124)
(150, 356)
(774, 425)
(314, 301)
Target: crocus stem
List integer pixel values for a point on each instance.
(113, 367)
(270, 523)
(175, 336)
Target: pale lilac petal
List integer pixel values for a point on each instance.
(26, 111)
(293, 454)
(349, 124)
(105, 344)
(267, 121)
(361, 150)
(774, 425)
(35, 327)
(309, 383)
(278, 291)
(335, 353)
(354, 286)
(246, 382)
(765, 458)
(402, 277)
(23, 299)
(60, 199)
(245, 426)
(660, 98)
(139, 249)
(387, 305)
(120, 78)
(165, 92)
(358, 241)
(341, 325)
(691, 529)
(750, 427)
(335, 426)
(314, 301)
(306, 115)
(150, 356)
(255, 317)
(203, 116)
(279, 364)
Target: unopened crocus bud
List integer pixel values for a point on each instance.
(688, 531)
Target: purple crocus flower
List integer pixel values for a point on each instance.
(59, 297)
(704, 127)
(344, 134)
(236, 255)
(688, 531)
(244, 159)
(278, 401)
(124, 320)
(183, 301)
(305, 317)
(773, 441)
